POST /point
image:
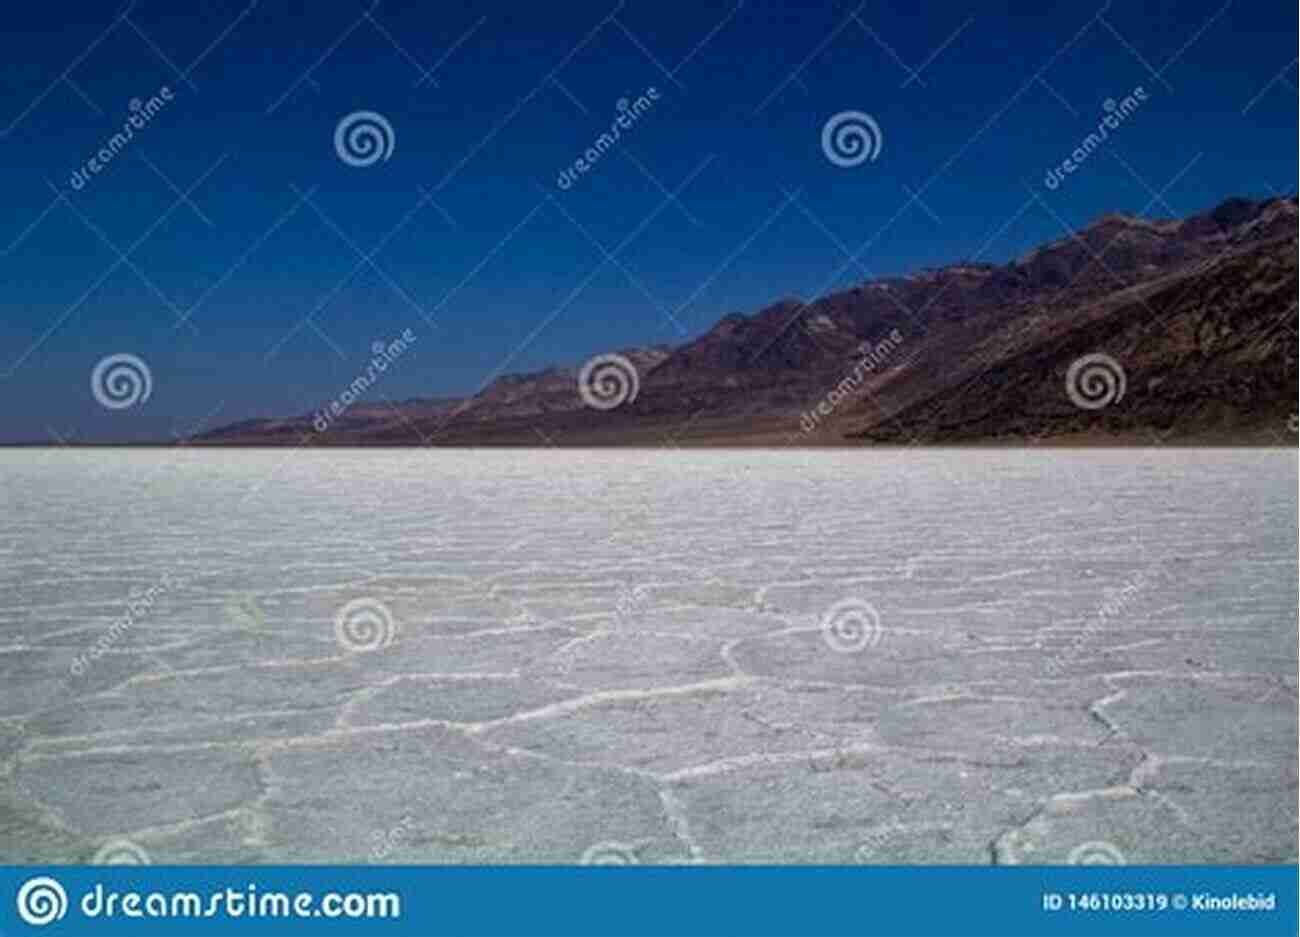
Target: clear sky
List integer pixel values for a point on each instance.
(228, 246)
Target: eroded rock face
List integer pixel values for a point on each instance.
(1208, 351)
(921, 657)
(1198, 311)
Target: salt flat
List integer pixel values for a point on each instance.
(648, 656)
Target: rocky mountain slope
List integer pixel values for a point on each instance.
(1196, 319)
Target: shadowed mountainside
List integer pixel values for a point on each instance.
(1198, 314)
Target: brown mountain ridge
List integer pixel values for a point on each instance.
(1195, 318)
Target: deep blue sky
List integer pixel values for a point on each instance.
(488, 103)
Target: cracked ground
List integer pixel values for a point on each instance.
(646, 657)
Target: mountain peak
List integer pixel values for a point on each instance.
(754, 370)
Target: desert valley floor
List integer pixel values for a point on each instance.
(918, 656)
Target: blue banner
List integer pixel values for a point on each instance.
(648, 901)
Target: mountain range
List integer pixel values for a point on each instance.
(1129, 331)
